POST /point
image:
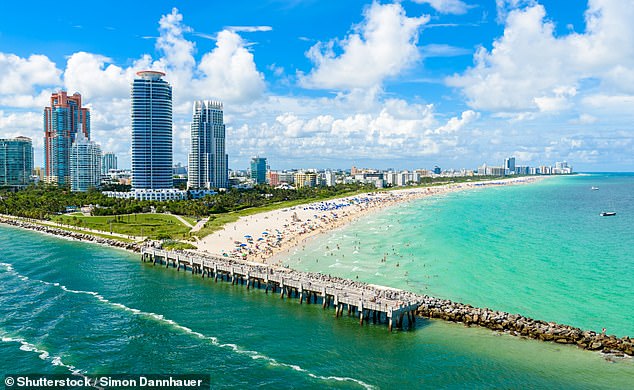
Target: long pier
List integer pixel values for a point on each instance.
(380, 304)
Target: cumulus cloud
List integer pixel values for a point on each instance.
(389, 129)
(96, 77)
(531, 68)
(229, 70)
(27, 82)
(20, 75)
(454, 124)
(383, 45)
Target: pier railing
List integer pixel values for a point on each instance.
(370, 302)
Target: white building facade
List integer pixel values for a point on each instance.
(208, 161)
(85, 164)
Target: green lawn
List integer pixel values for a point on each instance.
(148, 225)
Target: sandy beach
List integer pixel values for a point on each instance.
(261, 237)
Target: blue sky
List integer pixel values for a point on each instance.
(405, 84)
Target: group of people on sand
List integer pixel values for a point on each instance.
(288, 227)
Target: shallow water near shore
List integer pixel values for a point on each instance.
(69, 306)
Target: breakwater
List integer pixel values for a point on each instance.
(87, 237)
(428, 307)
(518, 325)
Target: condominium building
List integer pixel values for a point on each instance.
(208, 161)
(63, 120)
(509, 164)
(108, 162)
(85, 164)
(303, 179)
(151, 112)
(330, 178)
(16, 161)
(258, 170)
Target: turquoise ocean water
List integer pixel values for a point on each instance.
(541, 250)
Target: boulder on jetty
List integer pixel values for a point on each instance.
(518, 325)
(72, 235)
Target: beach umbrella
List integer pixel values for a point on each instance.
(260, 239)
(247, 236)
(243, 245)
(265, 233)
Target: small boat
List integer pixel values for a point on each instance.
(608, 213)
(594, 188)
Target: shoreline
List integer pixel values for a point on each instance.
(290, 227)
(436, 308)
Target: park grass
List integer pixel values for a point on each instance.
(68, 229)
(192, 221)
(177, 245)
(154, 226)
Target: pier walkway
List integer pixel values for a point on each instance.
(379, 304)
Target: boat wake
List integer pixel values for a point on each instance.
(161, 319)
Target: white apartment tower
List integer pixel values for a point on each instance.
(208, 162)
(85, 164)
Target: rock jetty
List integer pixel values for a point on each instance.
(69, 234)
(518, 325)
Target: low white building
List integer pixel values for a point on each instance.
(147, 194)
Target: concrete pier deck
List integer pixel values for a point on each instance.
(397, 308)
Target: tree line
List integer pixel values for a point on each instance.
(43, 201)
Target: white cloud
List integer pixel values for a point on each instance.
(609, 103)
(249, 28)
(26, 124)
(531, 68)
(454, 124)
(21, 79)
(558, 101)
(229, 71)
(89, 74)
(585, 119)
(383, 45)
(457, 7)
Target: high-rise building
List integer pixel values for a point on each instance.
(16, 161)
(151, 99)
(258, 170)
(85, 164)
(509, 163)
(330, 178)
(62, 121)
(208, 162)
(108, 162)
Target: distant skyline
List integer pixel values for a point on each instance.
(404, 84)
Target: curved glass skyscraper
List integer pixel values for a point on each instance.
(151, 98)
